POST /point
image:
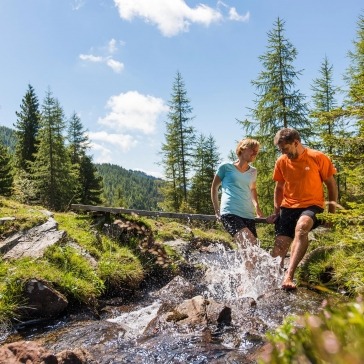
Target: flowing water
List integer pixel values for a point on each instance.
(248, 271)
(247, 280)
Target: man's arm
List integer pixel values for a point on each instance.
(278, 196)
(332, 192)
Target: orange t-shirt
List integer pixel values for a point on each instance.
(303, 178)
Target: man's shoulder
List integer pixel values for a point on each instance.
(314, 152)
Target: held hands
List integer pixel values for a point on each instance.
(271, 219)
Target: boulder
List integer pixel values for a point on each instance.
(42, 301)
(32, 352)
(33, 242)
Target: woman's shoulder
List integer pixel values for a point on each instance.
(226, 164)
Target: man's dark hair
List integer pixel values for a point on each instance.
(286, 135)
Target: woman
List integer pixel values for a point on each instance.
(239, 200)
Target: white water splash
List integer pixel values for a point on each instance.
(248, 271)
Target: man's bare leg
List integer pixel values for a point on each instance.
(299, 248)
(281, 246)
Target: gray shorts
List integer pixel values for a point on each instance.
(287, 220)
(233, 224)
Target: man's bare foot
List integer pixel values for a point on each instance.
(288, 284)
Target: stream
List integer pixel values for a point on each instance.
(244, 282)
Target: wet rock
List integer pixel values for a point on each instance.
(26, 352)
(33, 242)
(199, 310)
(41, 300)
(218, 313)
(175, 291)
(32, 352)
(77, 356)
(193, 309)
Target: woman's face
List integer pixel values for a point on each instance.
(249, 154)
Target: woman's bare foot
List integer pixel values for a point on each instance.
(288, 284)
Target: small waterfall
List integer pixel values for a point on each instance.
(248, 271)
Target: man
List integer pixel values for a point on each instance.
(298, 196)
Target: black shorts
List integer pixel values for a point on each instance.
(288, 217)
(233, 224)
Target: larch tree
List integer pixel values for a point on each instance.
(177, 151)
(326, 115)
(26, 130)
(55, 182)
(354, 103)
(205, 165)
(278, 104)
(329, 127)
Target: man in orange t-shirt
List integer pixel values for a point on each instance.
(298, 196)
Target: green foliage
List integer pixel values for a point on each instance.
(6, 176)
(334, 336)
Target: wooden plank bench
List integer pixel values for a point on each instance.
(172, 215)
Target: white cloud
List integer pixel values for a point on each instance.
(103, 154)
(116, 66)
(77, 4)
(133, 111)
(233, 15)
(111, 48)
(171, 16)
(124, 142)
(91, 58)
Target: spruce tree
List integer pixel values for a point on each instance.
(54, 180)
(205, 165)
(177, 151)
(27, 127)
(89, 182)
(6, 176)
(78, 141)
(278, 104)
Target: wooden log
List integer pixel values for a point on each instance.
(172, 215)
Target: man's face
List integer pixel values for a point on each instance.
(290, 150)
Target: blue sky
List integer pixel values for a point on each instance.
(114, 62)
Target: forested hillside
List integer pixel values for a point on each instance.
(122, 187)
(128, 188)
(7, 137)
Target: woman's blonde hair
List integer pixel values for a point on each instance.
(245, 144)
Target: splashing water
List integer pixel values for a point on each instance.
(248, 271)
